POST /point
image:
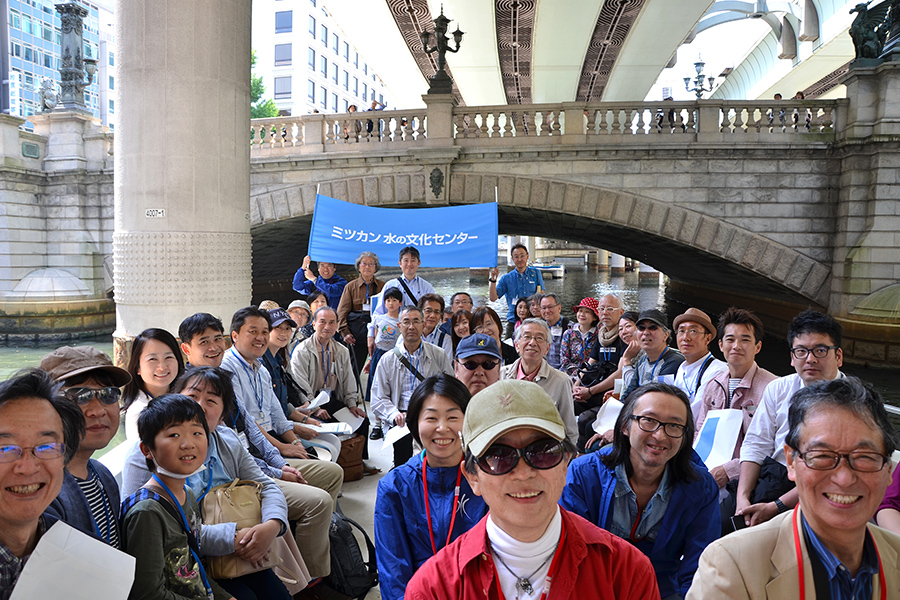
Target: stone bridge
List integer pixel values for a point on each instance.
(734, 195)
(795, 203)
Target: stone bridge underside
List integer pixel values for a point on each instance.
(688, 245)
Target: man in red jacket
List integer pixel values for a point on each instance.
(527, 546)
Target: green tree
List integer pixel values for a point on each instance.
(259, 108)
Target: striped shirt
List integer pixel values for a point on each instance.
(101, 508)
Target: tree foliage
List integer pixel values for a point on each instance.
(259, 108)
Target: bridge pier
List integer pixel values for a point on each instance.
(182, 236)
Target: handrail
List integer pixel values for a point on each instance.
(750, 121)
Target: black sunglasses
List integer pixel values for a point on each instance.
(84, 395)
(487, 365)
(500, 459)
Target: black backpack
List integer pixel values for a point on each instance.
(350, 574)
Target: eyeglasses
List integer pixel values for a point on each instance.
(543, 454)
(650, 327)
(487, 365)
(544, 307)
(690, 332)
(819, 351)
(12, 453)
(408, 323)
(607, 308)
(649, 424)
(825, 460)
(432, 311)
(84, 395)
(367, 264)
(526, 337)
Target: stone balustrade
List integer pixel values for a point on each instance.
(636, 123)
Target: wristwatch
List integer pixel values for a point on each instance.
(297, 441)
(780, 505)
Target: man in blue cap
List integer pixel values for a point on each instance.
(477, 362)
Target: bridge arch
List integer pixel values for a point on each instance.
(687, 245)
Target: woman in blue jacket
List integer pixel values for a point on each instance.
(418, 510)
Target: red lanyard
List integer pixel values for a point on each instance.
(549, 579)
(881, 580)
(428, 509)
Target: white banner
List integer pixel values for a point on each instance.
(718, 436)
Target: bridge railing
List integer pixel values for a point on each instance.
(709, 121)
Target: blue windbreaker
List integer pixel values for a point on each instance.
(402, 542)
(690, 523)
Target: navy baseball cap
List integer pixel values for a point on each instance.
(478, 343)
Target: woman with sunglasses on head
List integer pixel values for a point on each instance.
(426, 503)
(516, 455)
(155, 363)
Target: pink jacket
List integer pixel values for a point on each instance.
(594, 564)
(747, 395)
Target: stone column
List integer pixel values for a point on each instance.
(182, 169)
(616, 263)
(603, 260)
(647, 274)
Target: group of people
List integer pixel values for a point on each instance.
(506, 484)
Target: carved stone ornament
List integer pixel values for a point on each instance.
(437, 181)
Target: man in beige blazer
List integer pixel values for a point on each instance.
(838, 453)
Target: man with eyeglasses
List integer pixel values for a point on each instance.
(432, 306)
(89, 498)
(39, 432)
(694, 332)
(400, 371)
(532, 343)
(551, 312)
(764, 489)
(650, 487)
(516, 454)
(477, 362)
(521, 282)
(838, 451)
(659, 359)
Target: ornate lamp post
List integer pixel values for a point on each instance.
(74, 65)
(698, 80)
(441, 82)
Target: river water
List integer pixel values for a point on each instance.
(578, 283)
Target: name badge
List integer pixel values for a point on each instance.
(264, 423)
(556, 330)
(244, 441)
(367, 307)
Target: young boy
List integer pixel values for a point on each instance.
(161, 525)
(383, 332)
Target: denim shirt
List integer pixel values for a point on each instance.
(624, 509)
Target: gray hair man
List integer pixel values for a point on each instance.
(838, 450)
(533, 343)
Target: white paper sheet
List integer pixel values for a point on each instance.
(338, 428)
(66, 563)
(607, 415)
(394, 434)
(320, 400)
(345, 416)
(718, 436)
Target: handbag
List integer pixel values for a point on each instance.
(591, 374)
(238, 502)
(350, 458)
